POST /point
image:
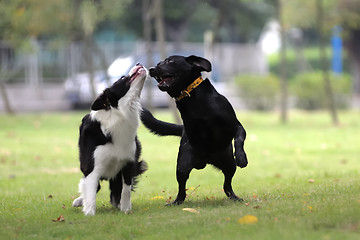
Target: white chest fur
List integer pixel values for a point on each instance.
(121, 125)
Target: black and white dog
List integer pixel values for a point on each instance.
(210, 122)
(108, 144)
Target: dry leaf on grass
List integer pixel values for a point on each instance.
(192, 210)
(248, 219)
(157, 198)
(61, 218)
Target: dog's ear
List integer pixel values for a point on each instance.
(101, 102)
(199, 62)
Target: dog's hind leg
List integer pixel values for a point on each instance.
(116, 185)
(127, 174)
(228, 167)
(240, 155)
(228, 174)
(90, 187)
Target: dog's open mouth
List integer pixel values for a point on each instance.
(138, 70)
(164, 81)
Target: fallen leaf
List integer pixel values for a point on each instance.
(248, 219)
(59, 219)
(157, 198)
(311, 181)
(278, 175)
(257, 207)
(192, 210)
(50, 196)
(63, 206)
(344, 161)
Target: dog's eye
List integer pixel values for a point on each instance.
(169, 60)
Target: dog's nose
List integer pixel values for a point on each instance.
(152, 71)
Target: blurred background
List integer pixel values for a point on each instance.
(266, 54)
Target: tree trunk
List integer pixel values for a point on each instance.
(355, 73)
(90, 63)
(352, 45)
(147, 14)
(283, 68)
(5, 99)
(160, 35)
(4, 76)
(103, 60)
(324, 63)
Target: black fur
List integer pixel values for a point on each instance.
(91, 136)
(210, 123)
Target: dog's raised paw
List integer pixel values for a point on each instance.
(78, 202)
(241, 160)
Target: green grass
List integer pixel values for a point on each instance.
(39, 177)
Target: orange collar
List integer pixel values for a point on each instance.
(186, 92)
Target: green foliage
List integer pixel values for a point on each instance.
(39, 175)
(308, 88)
(312, 62)
(259, 92)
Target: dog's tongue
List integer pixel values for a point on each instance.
(164, 83)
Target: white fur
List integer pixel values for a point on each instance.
(121, 123)
(125, 202)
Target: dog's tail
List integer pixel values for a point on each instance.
(141, 167)
(159, 127)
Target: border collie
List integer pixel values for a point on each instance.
(108, 144)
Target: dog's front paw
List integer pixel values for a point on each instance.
(78, 202)
(89, 209)
(89, 212)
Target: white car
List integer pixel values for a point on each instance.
(78, 89)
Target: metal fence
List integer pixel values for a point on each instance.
(53, 61)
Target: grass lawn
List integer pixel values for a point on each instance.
(302, 182)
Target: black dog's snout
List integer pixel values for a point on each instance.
(152, 71)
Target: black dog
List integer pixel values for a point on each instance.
(210, 123)
(108, 144)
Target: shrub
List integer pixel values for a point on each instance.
(312, 61)
(308, 89)
(259, 92)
